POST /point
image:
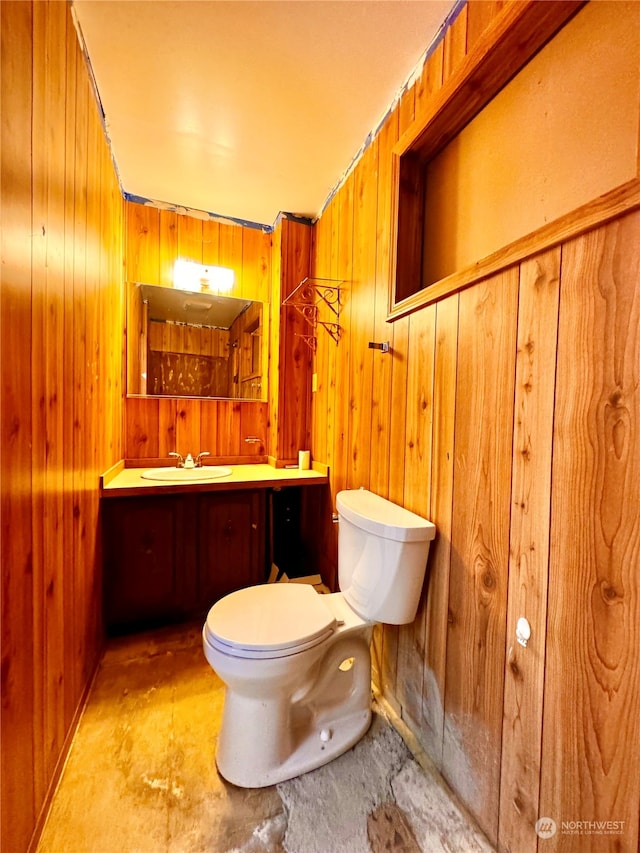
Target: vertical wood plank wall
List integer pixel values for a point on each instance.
(509, 414)
(591, 731)
(290, 356)
(154, 240)
(62, 316)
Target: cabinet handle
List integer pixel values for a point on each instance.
(254, 526)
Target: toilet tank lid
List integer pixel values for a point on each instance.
(382, 517)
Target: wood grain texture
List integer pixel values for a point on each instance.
(406, 111)
(294, 404)
(256, 262)
(455, 44)
(321, 416)
(440, 511)
(72, 686)
(253, 424)
(230, 255)
(404, 115)
(78, 324)
(474, 467)
(317, 503)
(362, 297)
(189, 244)
(342, 374)
(410, 201)
(471, 79)
(168, 225)
(591, 747)
(63, 366)
(529, 549)
(607, 207)
(480, 14)
(188, 425)
(276, 312)
(143, 228)
(429, 81)
(480, 545)
(590, 763)
(419, 412)
(54, 390)
(17, 756)
(154, 240)
(417, 498)
(382, 331)
(38, 378)
(91, 635)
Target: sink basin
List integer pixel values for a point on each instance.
(186, 475)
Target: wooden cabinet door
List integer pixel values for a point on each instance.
(231, 544)
(148, 561)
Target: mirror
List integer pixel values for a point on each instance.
(184, 344)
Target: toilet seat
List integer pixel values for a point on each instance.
(269, 621)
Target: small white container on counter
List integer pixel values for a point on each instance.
(304, 460)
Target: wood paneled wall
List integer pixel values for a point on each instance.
(509, 414)
(289, 355)
(591, 729)
(153, 427)
(62, 315)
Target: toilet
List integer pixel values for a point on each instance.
(296, 664)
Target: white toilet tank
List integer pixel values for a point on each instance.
(382, 556)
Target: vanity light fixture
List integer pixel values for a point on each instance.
(198, 278)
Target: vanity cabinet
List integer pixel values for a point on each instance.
(169, 558)
(231, 543)
(147, 559)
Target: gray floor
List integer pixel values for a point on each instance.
(141, 775)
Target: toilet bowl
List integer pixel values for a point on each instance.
(296, 664)
(289, 707)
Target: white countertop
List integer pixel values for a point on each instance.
(128, 481)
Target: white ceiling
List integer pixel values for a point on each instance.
(245, 108)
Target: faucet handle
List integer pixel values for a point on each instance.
(180, 462)
(199, 457)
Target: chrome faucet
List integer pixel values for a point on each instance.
(188, 461)
(180, 460)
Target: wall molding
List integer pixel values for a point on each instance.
(611, 205)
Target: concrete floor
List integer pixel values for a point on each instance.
(141, 775)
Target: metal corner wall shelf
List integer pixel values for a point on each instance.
(307, 298)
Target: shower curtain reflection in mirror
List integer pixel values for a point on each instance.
(188, 344)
